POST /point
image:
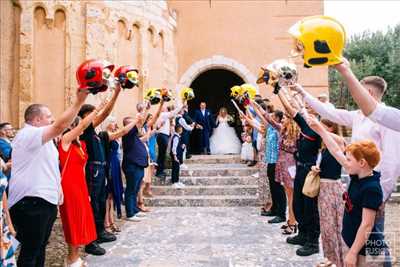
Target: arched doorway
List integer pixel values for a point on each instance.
(213, 87)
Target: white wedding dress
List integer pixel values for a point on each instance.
(224, 139)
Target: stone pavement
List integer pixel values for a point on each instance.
(202, 236)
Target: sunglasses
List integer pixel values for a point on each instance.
(347, 202)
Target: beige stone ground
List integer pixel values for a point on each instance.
(56, 249)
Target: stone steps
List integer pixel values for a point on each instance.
(211, 180)
(201, 190)
(395, 197)
(206, 170)
(202, 201)
(223, 159)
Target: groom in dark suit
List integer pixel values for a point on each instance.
(204, 124)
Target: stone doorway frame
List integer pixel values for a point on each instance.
(215, 62)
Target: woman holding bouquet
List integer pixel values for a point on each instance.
(224, 139)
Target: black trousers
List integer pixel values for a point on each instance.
(175, 171)
(305, 208)
(162, 142)
(33, 218)
(96, 183)
(277, 193)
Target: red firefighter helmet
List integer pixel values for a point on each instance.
(93, 75)
(127, 76)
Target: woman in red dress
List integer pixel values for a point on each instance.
(76, 212)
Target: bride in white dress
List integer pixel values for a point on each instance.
(224, 139)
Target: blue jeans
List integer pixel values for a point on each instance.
(134, 176)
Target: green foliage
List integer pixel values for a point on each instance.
(370, 53)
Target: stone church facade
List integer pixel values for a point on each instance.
(171, 43)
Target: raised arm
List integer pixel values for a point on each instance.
(83, 124)
(285, 102)
(108, 108)
(138, 121)
(251, 122)
(156, 115)
(339, 116)
(387, 116)
(364, 100)
(333, 147)
(65, 120)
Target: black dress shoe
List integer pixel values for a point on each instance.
(296, 240)
(105, 237)
(188, 156)
(277, 219)
(307, 250)
(267, 213)
(94, 249)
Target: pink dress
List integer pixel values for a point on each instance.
(285, 160)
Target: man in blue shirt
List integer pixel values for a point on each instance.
(6, 133)
(135, 160)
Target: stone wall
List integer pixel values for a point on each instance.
(45, 41)
(171, 42)
(240, 36)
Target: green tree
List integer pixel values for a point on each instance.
(370, 53)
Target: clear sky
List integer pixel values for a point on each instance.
(361, 15)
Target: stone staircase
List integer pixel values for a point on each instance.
(211, 181)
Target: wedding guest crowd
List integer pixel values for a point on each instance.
(78, 168)
(349, 218)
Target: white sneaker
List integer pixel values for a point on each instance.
(134, 218)
(184, 166)
(181, 185)
(141, 214)
(175, 185)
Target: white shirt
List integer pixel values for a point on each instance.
(203, 111)
(185, 126)
(386, 116)
(387, 140)
(35, 167)
(164, 120)
(175, 143)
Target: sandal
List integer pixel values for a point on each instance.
(286, 225)
(115, 228)
(108, 229)
(78, 263)
(291, 229)
(143, 208)
(326, 263)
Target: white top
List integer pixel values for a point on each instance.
(35, 167)
(164, 120)
(387, 140)
(185, 126)
(387, 116)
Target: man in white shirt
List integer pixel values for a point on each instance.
(35, 184)
(378, 112)
(163, 137)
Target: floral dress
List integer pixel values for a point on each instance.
(285, 160)
(7, 258)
